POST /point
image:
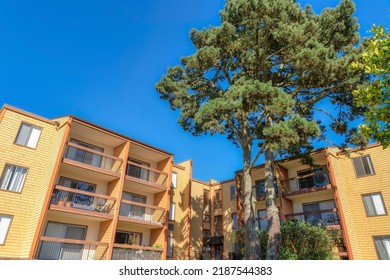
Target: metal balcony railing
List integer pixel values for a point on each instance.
(51, 248)
(142, 212)
(314, 180)
(217, 204)
(82, 200)
(147, 174)
(328, 217)
(92, 158)
(133, 252)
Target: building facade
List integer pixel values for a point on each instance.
(70, 189)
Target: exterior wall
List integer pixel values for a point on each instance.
(229, 207)
(181, 197)
(362, 228)
(196, 230)
(26, 206)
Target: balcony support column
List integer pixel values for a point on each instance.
(125, 153)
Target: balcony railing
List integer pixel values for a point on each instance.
(133, 252)
(145, 213)
(51, 248)
(260, 192)
(93, 159)
(147, 174)
(82, 200)
(217, 204)
(325, 218)
(316, 179)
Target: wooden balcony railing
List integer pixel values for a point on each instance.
(52, 248)
(141, 212)
(92, 158)
(82, 201)
(147, 174)
(134, 252)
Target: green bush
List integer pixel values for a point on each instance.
(300, 241)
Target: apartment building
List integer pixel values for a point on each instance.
(70, 189)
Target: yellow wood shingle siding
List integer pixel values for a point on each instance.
(196, 218)
(26, 206)
(361, 228)
(180, 196)
(229, 207)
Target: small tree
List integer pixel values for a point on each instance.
(300, 241)
(374, 96)
(257, 79)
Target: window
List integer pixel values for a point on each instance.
(218, 225)
(62, 251)
(130, 238)
(320, 213)
(373, 203)
(232, 192)
(28, 135)
(218, 199)
(259, 190)
(84, 155)
(134, 169)
(134, 211)
(234, 221)
(363, 166)
(262, 219)
(76, 198)
(5, 222)
(172, 207)
(382, 245)
(13, 178)
(171, 226)
(170, 247)
(174, 180)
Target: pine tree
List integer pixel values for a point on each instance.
(257, 78)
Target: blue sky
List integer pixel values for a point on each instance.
(99, 60)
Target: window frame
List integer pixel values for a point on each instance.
(128, 236)
(233, 194)
(174, 180)
(376, 248)
(366, 206)
(234, 220)
(172, 211)
(170, 246)
(259, 219)
(361, 161)
(22, 183)
(31, 126)
(11, 217)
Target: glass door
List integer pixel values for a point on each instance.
(314, 218)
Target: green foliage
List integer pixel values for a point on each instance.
(300, 241)
(258, 76)
(374, 96)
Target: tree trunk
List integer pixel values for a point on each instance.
(252, 242)
(274, 236)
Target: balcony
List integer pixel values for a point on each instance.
(92, 160)
(148, 215)
(328, 218)
(315, 181)
(134, 252)
(52, 248)
(82, 202)
(142, 174)
(218, 204)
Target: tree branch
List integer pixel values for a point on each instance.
(259, 152)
